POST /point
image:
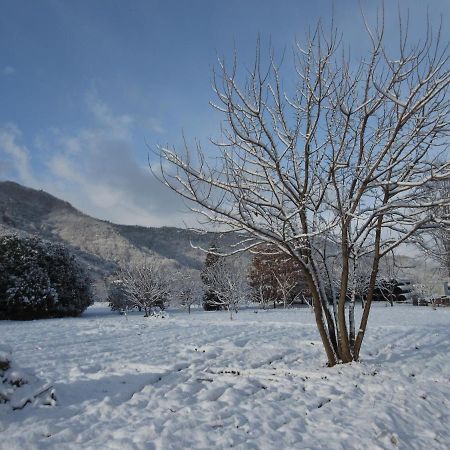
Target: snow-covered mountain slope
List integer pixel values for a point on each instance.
(99, 244)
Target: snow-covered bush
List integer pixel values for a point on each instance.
(227, 284)
(146, 286)
(40, 279)
(19, 388)
(118, 298)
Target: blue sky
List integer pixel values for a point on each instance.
(87, 86)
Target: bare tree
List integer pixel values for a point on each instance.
(228, 283)
(188, 288)
(146, 285)
(434, 241)
(388, 279)
(342, 159)
(275, 277)
(427, 285)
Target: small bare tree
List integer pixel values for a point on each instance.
(146, 285)
(341, 159)
(434, 240)
(228, 283)
(388, 279)
(188, 288)
(275, 277)
(427, 284)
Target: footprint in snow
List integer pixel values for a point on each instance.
(211, 395)
(241, 342)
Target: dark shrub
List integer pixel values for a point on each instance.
(211, 302)
(40, 279)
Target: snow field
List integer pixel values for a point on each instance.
(257, 382)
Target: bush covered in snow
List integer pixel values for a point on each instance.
(40, 279)
(19, 388)
(145, 286)
(117, 296)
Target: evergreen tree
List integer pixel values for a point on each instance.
(40, 279)
(211, 302)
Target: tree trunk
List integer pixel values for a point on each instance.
(365, 315)
(351, 320)
(343, 336)
(370, 291)
(351, 309)
(318, 313)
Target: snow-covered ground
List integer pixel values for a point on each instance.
(257, 382)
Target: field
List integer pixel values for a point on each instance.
(201, 381)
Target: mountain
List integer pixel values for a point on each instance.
(100, 245)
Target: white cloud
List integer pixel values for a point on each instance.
(119, 125)
(15, 155)
(62, 167)
(97, 170)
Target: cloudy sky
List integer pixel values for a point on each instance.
(87, 87)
